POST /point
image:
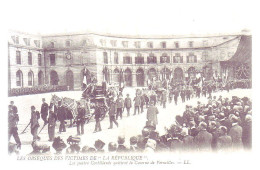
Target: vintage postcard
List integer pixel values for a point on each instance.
(128, 92)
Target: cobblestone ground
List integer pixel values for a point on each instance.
(128, 126)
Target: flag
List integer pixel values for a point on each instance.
(70, 104)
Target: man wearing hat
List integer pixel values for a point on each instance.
(35, 116)
(137, 104)
(13, 119)
(121, 147)
(80, 119)
(204, 139)
(152, 112)
(224, 142)
(235, 133)
(99, 144)
(112, 113)
(61, 115)
(98, 112)
(51, 122)
(119, 106)
(44, 111)
(128, 104)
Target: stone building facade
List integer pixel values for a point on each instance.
(113, 58)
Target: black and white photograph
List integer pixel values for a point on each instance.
(126, 84)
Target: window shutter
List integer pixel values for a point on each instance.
(187, 59)
(181, 59)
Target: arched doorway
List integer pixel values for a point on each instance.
(70, 79)
(140, 77)
(192, 73)
(178, 74)
(19, 78)
(54, 78)
(116, 76)
(152, 73)
(106, 74)
(128, 77)
(40, 78)
(166, 73)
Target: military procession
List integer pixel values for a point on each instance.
(220, 124)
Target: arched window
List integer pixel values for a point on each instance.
(30, 78)
(40, 78)
(19, 78)
(139, 59)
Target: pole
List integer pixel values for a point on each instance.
(25, 128)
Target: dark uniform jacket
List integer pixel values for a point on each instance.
(98, 112)
(128, 102)
(13, 118)
(35, 116)
(44, 109)
(203, 140)
(61, 113)
(112, 109)
(81, 115)
(137, 101)
(120, 103)
(52, 119)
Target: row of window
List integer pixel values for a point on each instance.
(19, 78)
(151, 59)
(27, 41)
(30, 60)
(137, 44)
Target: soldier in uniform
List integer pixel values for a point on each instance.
(80, 119)
(119, 106)
(128, 104)
(44, 111)
(137, 104)
(14, 108)
(98, 113)
(183, 95)
(176, 95)
(164, 98)
(61, 115)
(111, 113)
(51, 123)
(35, 116)
(13, 119)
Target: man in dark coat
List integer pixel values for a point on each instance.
(176, 95)
(204, 139)
(112, 113)
(35, 116)
(183, 95)
(61, 115)
(14, 108)
(247, 132)
(51, 123)
(44, 111)
(137, 103)
(236, 133)
(224, 142)
(119, 106)
(13, 119)
(188, 144)
(152, 112)
(128, 104)
(80, 119)
(98, 112)
(213, 130)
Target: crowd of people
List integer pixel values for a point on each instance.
(36, 90)
(217, 125)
